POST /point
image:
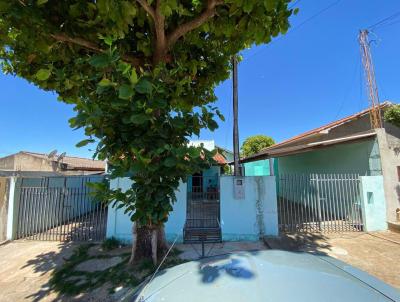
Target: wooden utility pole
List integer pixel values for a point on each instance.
(237, 169)
(375, 110)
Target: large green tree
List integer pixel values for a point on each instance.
(141, 76)
(256, 143)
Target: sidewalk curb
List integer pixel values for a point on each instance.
(5, 242)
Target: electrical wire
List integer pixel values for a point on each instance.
(384, 21)
(297, 27)
(349, 89)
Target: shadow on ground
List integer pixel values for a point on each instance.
(46, 264)
(314, 243)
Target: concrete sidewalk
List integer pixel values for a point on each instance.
(194, 251)
(25, 269)
(377, 253)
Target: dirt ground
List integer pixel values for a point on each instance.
(377, 253)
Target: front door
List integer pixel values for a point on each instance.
(197, 183)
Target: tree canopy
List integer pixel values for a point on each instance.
(392, 115)
(140, 75)
(256, 143)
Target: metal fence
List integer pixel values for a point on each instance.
(319, 203)
(60, 208)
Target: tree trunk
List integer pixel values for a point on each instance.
(148, 242)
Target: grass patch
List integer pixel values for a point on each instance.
(67, 280)
(110, 244)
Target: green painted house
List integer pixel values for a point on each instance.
(345, 146)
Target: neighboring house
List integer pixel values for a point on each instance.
(34, 164)
(345, 146)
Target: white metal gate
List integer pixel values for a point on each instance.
(61, 209)
(319, 203)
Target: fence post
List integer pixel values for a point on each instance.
(318, 203)
(13, 204)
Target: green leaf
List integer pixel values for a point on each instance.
(269, 4)
(100, 61)
(170, 162)
(144, 86)
(133, 78)
(84, 142)
(248, 6)
(43, 74)
(139, 119)
(105, 82)
(108, 41)
(41, 2)
(296, 11)
(125, 92)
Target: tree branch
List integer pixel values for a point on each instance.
(137, 62)
(147, 7)
(183, 29)
(161, 42)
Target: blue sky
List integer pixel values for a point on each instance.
(309, 77)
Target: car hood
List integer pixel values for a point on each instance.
(270, 275)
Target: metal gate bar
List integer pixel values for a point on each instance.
(60, 213)
(319, 203)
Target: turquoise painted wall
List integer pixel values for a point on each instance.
(361, 158)
(373, 205)
(257, 168)
(210, 178)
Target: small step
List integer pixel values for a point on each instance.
(198, 235)
(394, 226)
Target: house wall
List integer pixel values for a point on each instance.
(373, 203)
(361, 157)
(7, 163)
(26, 162)
(257, 168)
(251, 217)
(246, 218)
(389, 146)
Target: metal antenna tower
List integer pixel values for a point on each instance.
(372, 89)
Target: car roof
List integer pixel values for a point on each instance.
(270, 275)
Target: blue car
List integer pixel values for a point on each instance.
(264, 276)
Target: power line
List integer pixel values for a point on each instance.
(384, 20)
(298, 26)
(357, 66)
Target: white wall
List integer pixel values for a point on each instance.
(255, 215)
